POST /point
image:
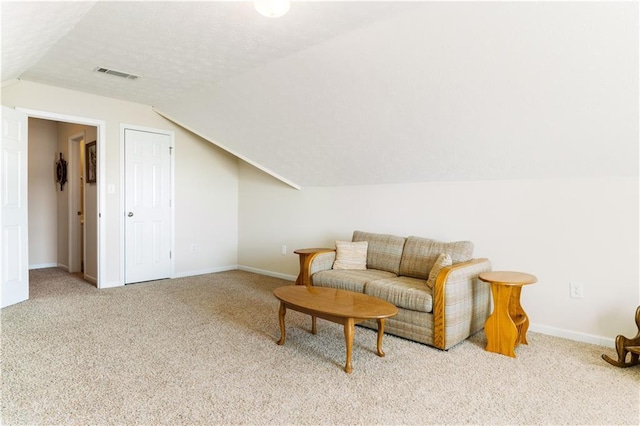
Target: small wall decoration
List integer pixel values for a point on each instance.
(61, 172)
(91, 159)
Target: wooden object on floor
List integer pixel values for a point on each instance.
(340, 306)
(507, 325)
(306, 256)
(626, 346)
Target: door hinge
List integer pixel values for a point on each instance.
(170, 150)
(169, 254)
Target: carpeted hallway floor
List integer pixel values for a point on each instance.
(201, 350)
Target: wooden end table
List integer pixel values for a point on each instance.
(340, 306)
(507, 325)
(306, 256)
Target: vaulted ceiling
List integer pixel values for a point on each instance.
(339, 93)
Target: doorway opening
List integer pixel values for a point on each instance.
(30, 225)
(94, 263)
(62, 212)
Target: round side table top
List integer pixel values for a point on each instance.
(508, 278)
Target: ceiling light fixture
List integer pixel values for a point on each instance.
(272, 8)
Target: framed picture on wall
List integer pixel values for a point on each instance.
(90, 161)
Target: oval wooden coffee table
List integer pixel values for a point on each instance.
(339, 306)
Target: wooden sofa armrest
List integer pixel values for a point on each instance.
(314, 260)
(459, 280)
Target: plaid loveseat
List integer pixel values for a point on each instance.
(397, 270)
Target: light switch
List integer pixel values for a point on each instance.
(111, 189)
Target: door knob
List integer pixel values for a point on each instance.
(130, 214)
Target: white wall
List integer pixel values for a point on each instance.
(206, 215)
(582, 229)
(42, 193)
(205, 186)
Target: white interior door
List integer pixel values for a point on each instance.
(14, 215)
(147, 206)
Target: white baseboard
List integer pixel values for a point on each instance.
(573, 335)
(205, 271)
(92, 280)
(61, 266)
(43, 265)
(268, 273)
(113, 284)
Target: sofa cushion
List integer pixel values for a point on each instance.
(352, 280)
(420, 255)
(442, 261)
(384, 251)
(350, 255)
(404, 292)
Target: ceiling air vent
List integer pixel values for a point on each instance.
(117, 73)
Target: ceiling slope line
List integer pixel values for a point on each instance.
(230, 151)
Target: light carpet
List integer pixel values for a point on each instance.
(201, 350)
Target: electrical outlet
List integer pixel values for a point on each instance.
(194, 248)
(576, 290)
(284, 250)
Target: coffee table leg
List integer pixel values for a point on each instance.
(314, 329)
(380, 334)
(349, 328)
(283, 332)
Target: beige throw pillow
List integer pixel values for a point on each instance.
(350, 255)
(442, 261)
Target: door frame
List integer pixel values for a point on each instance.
(75, 189)
(101, 174)
(171, 134)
